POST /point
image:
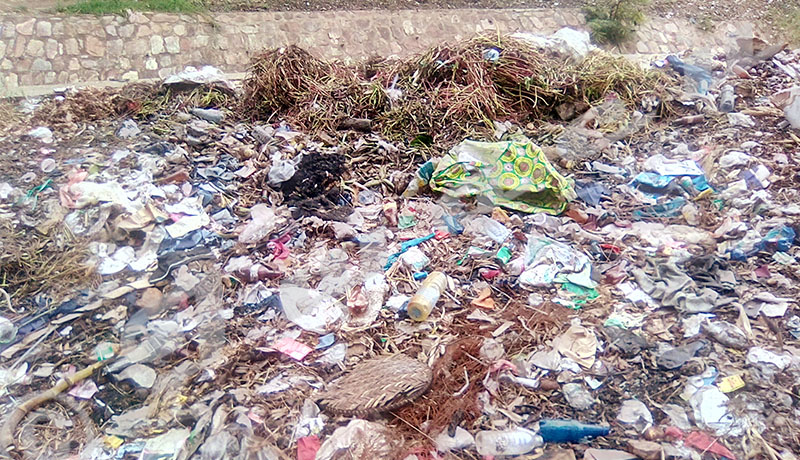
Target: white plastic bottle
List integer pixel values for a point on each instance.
(509, 442)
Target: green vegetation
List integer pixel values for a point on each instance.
(614, 21)
(706, 23)
(99, 7)
(786, 17)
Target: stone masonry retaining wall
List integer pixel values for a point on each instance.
(77, 49)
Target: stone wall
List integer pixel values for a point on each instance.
(77, 49)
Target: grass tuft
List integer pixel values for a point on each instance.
(101, 7)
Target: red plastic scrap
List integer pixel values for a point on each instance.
(673, 432)
(292, 348)
(610, 247)
(307, 448)
(706, 443)
(441, 234)
(762, 272)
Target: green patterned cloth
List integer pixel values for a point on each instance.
(514, 175)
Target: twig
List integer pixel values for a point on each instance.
(8, 300)
(464, 388)
(16, 416)
(412, 426)
(32, 348)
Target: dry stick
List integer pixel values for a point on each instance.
(32, 348)
(10, 425)
(412, 426)
(8, 300)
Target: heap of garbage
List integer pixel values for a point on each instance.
(523, 246)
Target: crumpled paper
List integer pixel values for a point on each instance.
(710, 406)
(577, 343)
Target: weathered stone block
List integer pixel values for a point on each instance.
(164, 73)
(144, 30)
(71, 47)
(126, 30)
(115, 47)
(19, 47)
(12, 80)
(138, 18)
(26, 28)
(44, 29)
(35, 48)
(94, 46)
(26, 79)
(130, 75)
(51, 48)
(137, 47)
(41, 65)
(172, 45)
(8, 31)
(156, 44)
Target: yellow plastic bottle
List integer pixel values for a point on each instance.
(420, 306)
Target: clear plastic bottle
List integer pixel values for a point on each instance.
(7, 330)
(510, 442)
(420, 306)
(727, 99)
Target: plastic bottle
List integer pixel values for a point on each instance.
(7, 331)
(698, 74)
(726, 99)
(510, 442)
(420, 306)
(569, 430)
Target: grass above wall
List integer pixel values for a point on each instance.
(100, 7)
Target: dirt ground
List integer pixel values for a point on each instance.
(705, 12)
